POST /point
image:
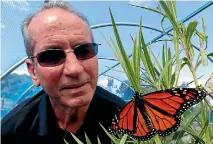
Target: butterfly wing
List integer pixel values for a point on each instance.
(165, 107)
(144, 129)
(131, 121)
(124, 122)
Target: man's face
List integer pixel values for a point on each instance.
(72, 83)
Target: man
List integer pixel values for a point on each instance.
(62, 59)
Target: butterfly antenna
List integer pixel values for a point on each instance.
(118, 109)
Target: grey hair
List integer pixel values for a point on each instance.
(28, 41)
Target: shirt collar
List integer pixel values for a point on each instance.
(47, 119)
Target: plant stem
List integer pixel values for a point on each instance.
(194, 74)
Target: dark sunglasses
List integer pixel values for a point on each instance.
(55, 57)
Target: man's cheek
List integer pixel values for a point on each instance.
(50, 77)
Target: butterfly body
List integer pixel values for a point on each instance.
(157, 112)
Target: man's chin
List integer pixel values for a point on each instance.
(76, 103)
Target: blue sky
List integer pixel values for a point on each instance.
(97, 12)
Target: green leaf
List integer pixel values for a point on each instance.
(122, 56)
(123, 139)
(146, 80)
(191, 131)
(150, 9)
(169, 72)
(203, 36)
(210, 54)
(146, 66)
(87, 139)
(114, 139)
(203, 131)
(171, 17)
(163, 57)
(76, 139)
(136, 61)
(204, 58)
(66, 142)
(198, 64)
(163, 73)
(177, 59)
(157, 139)
(190, 30)
(186, 61)
(172, 8)
(209, 105)
(173, 80)
(99, 142)
(123, 64)
(146, 58)
(177, 136)
(203, 26)
(191, 51)
(162, 20)
(156, 61)
(187, 121)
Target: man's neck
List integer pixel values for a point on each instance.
(69, 119)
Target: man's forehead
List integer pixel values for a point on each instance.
(51, 16)
(45, 16)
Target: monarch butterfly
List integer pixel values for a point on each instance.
(157, 112)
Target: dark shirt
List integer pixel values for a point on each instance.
(34, 121)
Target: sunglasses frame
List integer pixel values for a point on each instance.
(58, 49)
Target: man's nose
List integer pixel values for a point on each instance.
(72, 66)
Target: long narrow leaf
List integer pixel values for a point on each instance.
(114, 139)
(156, 61)
(99, 142)
(170, 17)
(170, 68)
(203, 130)
(126, 63)
(191, 118)
(210, 54)
(136, 62)
(203, 36)
(66, 142)
(163, 73)
(87, 139)
(190, 30)
(147, 58)
(204, 58)
(123, 140)
(150, 9)
(76, 139)
(146, 66)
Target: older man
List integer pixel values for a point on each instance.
(62, 59)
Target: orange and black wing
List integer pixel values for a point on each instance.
(144, 129)
(124, 122)
(131, 121)
(165, 107)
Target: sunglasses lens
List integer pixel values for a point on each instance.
(86, 51)
(51, 58)
(55, 57)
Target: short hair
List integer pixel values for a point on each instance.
(28, 41)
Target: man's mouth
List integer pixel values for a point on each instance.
(73, 86)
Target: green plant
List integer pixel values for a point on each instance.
(165, 74)
(160, 75)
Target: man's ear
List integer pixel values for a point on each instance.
(31, 70)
